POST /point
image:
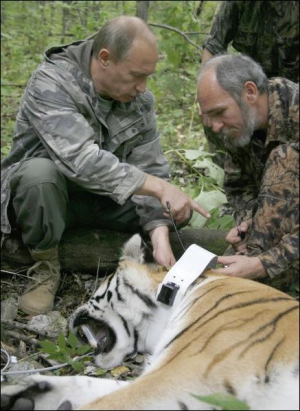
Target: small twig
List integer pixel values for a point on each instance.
(19, 336)
(14, 272)
(174, 225)
(97, 275)
(20, 326)
(15, 285)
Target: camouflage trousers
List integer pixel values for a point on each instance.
(44, 204)
(274, 232)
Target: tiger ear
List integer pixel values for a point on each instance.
(133, 249)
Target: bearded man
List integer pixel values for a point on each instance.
(257, 122)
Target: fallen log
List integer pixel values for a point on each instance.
(90, 250)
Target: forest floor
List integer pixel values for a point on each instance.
(21, 334)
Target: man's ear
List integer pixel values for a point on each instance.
(250, 91)
(103, 57)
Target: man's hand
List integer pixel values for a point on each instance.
(241, 266)
(181, 203)
(234, 237)
(162, 251)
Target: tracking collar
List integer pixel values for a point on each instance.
(170, 292)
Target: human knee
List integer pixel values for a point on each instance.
(37, 171)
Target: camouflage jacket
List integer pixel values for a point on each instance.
(268, 31)
(253, 191)
(60, 118)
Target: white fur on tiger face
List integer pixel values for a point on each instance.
(121, 308)
(228, 335)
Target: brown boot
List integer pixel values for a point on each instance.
(45, 273)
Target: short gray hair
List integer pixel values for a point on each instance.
(233, 71)
(118, 34)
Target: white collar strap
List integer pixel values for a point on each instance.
(170, 292)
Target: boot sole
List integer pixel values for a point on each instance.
(31, 311)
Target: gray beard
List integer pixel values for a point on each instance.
(250, 124)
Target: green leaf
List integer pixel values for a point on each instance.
(173, 58)
(56, 356)
(72, 340)
(5, 150)
(69, 350)
(226, 402)
(6, 36)
(66, 358)
(61, 342)
(226, 222)
(77, 366)
(100, 372)
(83, 349)
(210, 200)
(48, 346)
(212, 170)
(194, 154)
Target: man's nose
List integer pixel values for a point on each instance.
(216, 126)
(141, 86)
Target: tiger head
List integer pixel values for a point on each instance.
(116, 318)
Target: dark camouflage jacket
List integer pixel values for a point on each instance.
(262, 182)
(60, 118)
(267, 31)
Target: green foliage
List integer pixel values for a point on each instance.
(225, 402)
(204, 186)
(66, 350)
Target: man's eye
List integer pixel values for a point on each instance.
(218, 113)
(140, 76)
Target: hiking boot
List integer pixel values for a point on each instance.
(38, 298)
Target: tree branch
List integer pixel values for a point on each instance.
(20, 337)
(165, 26)
(20, 326)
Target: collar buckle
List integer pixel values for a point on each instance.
(168, 293)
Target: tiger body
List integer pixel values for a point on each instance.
(228, 335)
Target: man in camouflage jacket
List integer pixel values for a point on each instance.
(86, 152)
(257, 122)
(267, 31)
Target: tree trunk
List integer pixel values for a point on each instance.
(88, 251)
(142, 9)
(65, 18)
(199, 8)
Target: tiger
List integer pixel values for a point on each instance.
(227, 336)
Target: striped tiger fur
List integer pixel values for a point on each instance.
(228, 335)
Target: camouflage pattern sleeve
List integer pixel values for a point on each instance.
(223, 28)
(239, 184)
(275, 229)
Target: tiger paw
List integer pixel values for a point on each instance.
(30, 394)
